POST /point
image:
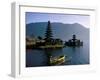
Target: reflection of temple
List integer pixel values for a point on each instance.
(74, 42)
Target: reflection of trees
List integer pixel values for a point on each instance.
(48, 53)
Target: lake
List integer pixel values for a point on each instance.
(77, 55)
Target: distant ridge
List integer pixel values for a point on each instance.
(60, 30)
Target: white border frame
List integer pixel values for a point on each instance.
(18, 40)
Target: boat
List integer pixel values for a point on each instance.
(57, 60)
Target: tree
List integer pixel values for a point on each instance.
(48, 34)
(39, 37)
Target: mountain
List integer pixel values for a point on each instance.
(60, 30)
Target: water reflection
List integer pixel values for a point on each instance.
(78, 55)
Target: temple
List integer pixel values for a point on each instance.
(74, 42)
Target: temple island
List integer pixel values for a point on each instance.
(43, 43)
(74, 42)
(49, 42)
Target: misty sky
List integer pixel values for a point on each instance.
(32, 17)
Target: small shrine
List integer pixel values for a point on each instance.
(74, 42)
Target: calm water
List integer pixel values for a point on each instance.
(77, 55)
